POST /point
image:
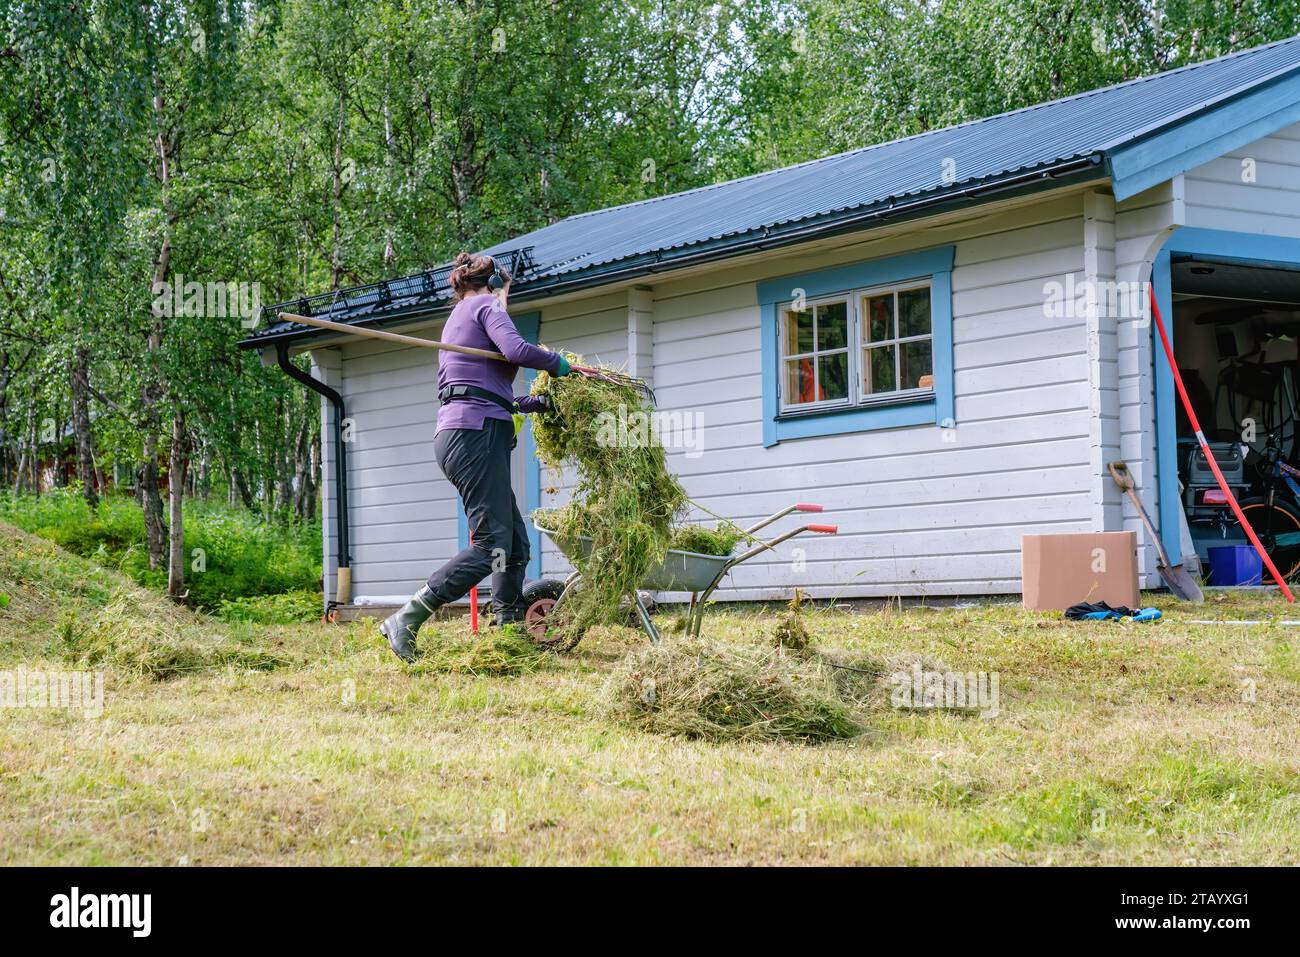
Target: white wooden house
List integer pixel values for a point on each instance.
(899, 333)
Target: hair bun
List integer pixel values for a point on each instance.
(462, 259)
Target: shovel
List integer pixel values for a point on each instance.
(1176, 577)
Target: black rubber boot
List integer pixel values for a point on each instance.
(400, 627)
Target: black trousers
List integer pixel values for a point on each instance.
(477, 463)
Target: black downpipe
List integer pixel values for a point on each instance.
(343, 584)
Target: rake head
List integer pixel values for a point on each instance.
(617, 378)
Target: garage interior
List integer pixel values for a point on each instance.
(1237, 344)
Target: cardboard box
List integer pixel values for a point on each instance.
(1058, 571)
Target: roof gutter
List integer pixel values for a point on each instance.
(343, 576)
(757, 240)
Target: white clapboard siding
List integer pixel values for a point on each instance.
(403, 510)
(916, 515)
(1140, 221)
(1218, 196)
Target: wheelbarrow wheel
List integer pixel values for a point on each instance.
(541, 622)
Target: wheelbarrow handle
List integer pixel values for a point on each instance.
(800, 507)
(784, 536)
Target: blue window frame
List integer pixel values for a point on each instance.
(836, 347)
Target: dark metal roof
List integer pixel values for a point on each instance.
(1059, 138)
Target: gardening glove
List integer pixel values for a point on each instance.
(534, 403)
(564, 368)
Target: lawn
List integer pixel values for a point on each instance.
(255, 744)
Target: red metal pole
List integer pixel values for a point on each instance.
(473, 600)
(1209, 456)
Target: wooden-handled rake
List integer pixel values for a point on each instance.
(592, 372)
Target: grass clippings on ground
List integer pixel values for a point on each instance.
(698, 690)
(1165, 744)
(495, 652)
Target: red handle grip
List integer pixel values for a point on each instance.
(807, 508)
(824, 529)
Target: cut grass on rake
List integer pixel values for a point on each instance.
(625, 501)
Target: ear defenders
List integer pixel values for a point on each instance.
(496, 281)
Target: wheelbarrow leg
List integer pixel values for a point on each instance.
(691, 626)
(644, 614)
(699, 600)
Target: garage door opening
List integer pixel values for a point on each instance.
(1237, 343)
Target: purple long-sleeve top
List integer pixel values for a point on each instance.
(479, 321)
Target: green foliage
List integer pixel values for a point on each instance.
(791, 631)
(285, 609)
(232, 554)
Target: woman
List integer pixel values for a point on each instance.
(476, 431)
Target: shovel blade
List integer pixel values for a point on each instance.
(1181, 583)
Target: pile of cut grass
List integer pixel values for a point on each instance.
(500, 653)
(74, 610)
(692, 690)
(153, 646)
(625, 501)
(719, 540)
(570, 521)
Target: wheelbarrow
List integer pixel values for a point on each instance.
(680, 571)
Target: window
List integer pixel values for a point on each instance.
(891, 359)
(858, 347)
(817, 354)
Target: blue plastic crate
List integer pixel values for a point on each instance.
(1235, 565)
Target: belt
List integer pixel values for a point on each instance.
(474, 392)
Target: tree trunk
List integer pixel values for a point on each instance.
(176, 488)
(151, 501)
(154, 390)
(25, 453)
(81, 428)
(203, 484)
(245, 493)
(304, 494)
